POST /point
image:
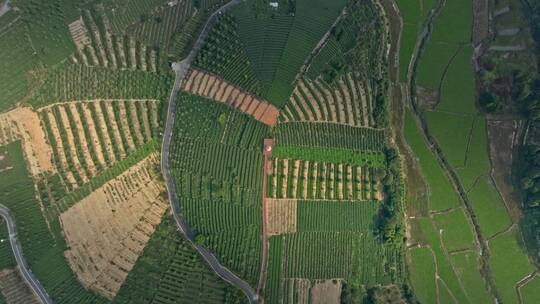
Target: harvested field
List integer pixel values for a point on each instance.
(344, 102)
(281, 216)
(107, 231)
(24, 124)
(302, 179)
(212, 87)
(88, 137)
(13, 288)
(326, 292)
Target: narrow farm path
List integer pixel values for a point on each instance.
(27, 275)
(267, 170)
(180, 69)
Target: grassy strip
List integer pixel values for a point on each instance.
(372, 159)
(104, 177)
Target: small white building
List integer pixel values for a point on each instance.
(274, 4)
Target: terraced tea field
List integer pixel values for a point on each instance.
(309, 151)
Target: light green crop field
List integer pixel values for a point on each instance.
(445, 271)
(530, 293)
(477, 160)
(454, 24)
(451, 131)
(413, 14)
(509, 264)
(488, 207)
(455, 230)
(467, 267)
(442, 196)
(457, 89)
(432, 64)
(422, 273)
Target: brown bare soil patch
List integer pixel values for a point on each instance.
(146, 122)
(344, 102)
(132, 108)
(326, 292)
(133, 52)
(142, 57)
(84, 143)
(107, 231)
(302, 287)
(60, 147)
(125, 125)
(79, 33)
(212, 87)
(14, 289)
(93, 134)
(324, 181)
(23, 124)
(281, 216)
(72, 146)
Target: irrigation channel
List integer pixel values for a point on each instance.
(27, 275)
(180, 69)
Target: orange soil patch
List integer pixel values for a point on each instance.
(107, 231)
(326, 292)
(212, 87)
(133, 52)
(305, 175)
(23, 124)
(14, 289)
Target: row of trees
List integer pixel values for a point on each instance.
(529, 159)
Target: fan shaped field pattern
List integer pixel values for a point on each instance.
(325, 184)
